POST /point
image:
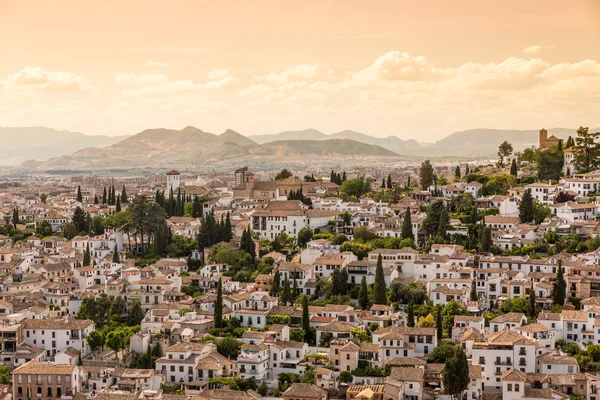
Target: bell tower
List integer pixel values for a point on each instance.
(543, 138)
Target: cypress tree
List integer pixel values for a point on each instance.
(531, 309)
(383, 183)
(408, 182)
(438, 324)
(306, 320)
(410, 315)
(116, 258)
(79, 196)
(335, 281)
(124, 199)
(443, 223)
(196, 208)
(294, 288)
(559, 287)
(473, 294)
(363, 295)
(467, 169)
(114, 199)
(407, 230)
(15, 217)
(276, 285)
(455, 374)
(86, 256)
(343, 178)
(379, 288)
(104, 197)
(457, 172)
(96, 199)
(219, 306)
(513, 168)
(526, 207)
(286, 297)
(118, 206)
(389, 181)
(228, 231)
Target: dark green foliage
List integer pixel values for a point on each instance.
(526, 207)
(438, 324)
(135, 314)
(286, 296)
(86, 256)
(379, 287)
(124, 198)
(513, 168)
(442, 352)
(405, 292)
(219, 306)
(229, 347)
(79, 196)
(410, 315)
(306, 320)
(407, 229)
(426, 174)
(43, 229)
(363, 296)
(304, 236)
(104, 196)
(118, 205)
(457, 172)
(283, 174)
(389, 181)
(473, 294)
(550, 163)
(116, 258)
(587, 150)
(559, 287)
(455, 374)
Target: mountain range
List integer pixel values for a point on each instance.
(191, 146)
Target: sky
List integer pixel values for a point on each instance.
(415, 69)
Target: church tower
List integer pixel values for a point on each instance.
(543, 138)
(172, 182)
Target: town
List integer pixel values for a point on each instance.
(479, 281)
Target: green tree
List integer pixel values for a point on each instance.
(356, 187)
(513, 167)
(455, 374)
(229, 347)
(304, 236)
(286, 297)
(87, 259)
(438, 324)
(306, 320)
(346, 377)
(540, 212)
(457, 172)
(15, 217)
(473, 295)
(115, 340)
(104, 196)
(559, 287)
(587, 150)
(124, 198)
(389, 181)
(219, 306)
(379, 287)
(43, 198)
(407, 229)
(526, 207)
(5, 375)
(410, 315)
(68, 230)
(95, 339)
(531, 308)
(283, 174)
(426, 174)
(116, 258)
(43, 229)
(79, 196)
(504, 150)
(262, 389)
(549, 164)
(97, 227)
(118, 204)
(79, 220)
(363, 295)
(135, 315)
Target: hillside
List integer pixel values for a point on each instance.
(194, 147)
(41, 143)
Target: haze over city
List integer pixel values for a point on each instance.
(418, 70)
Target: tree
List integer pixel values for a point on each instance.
(15, 217)
(115, 340)
(79, 220)
(379, 287)
(389, 181)
(79, 196)
(587, 150)
(118, 205)
(219, 306)
(124, 198)
(95, 339)
(304, 236)
(43, 198)
(442, 225)
(504, 150)
(410, 315)
(229, 347)
(346, 377)
(87, 259)
(426, 174)
(570, 142)
(262, 389)
(44, 229)
(473, 295)
(363, 294)
(455, 374)
(457, 172)
(438, 324)
(526, 207)
(559, 287)
(442, 352)
(116, 258)
(356, 187)
(286, 297)
(513, 167)
(68, 230)
(407, 228)
(540, 212)
(104, 196)
(135, 315)
(485, 239)
(306, 320)
(283, 174)
(339, 239)
(531, 308)
(549, 164)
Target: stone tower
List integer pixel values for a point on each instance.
(543, 138)
(173, 181)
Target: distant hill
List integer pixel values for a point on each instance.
(483, 142)
(41, 143)
(192, 146)
(393, 143)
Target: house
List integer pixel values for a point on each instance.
(44, 380)
(405, 383)
(56, 335)
(507, 321)
(304, 391)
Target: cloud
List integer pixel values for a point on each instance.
(157, 64)
(183, 49)
(142, 79)
(302, 71)
(218, 74)
(39, 79)
(535, 49)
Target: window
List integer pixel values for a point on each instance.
(517, 387)
(181, 368)
(509, 387)
(172, 368)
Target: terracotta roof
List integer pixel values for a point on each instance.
(407, 374)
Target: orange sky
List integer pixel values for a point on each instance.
(416, 69)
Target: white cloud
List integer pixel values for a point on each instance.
(218, 74)
(39, 79)
(157, 64)
(142, 79)
(535, 49)
(298, 72)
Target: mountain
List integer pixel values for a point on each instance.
(41, 143)
(393, 143)
(191, 146)
(485, 142)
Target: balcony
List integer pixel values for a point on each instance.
(522, 352)
(497, 373)
(522, 363)
(500, 362)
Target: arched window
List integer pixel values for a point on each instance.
(39, 390)
(49, 392)
(20, 390)
(58, 392)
